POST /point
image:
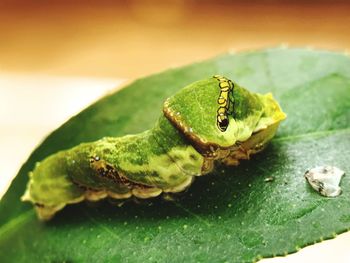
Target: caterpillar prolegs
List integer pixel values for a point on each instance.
(211, 120)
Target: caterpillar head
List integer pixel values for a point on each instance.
(218, 113)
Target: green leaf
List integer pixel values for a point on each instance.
(230, 215)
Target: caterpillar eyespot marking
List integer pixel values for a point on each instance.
(196, 129)
(225, 101)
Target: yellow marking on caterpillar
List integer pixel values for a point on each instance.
(226, 86)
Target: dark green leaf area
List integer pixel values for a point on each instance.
(231, 215)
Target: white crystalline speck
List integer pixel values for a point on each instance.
(325, 180)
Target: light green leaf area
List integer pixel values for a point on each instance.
(231, 215)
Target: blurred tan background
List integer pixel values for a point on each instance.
(56, 57)
(132, 38)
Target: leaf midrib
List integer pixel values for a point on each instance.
(316, 134)
(6, 228)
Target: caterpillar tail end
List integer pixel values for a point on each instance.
(49, 188)
(44, 213)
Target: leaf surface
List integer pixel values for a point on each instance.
(231, 215)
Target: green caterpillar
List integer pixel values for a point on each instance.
(208, 121)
